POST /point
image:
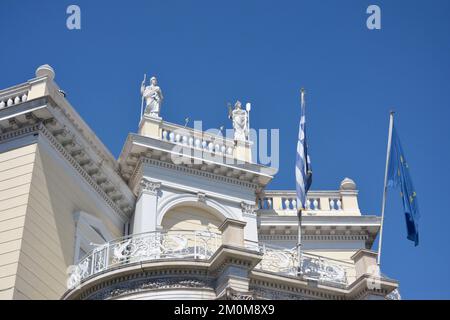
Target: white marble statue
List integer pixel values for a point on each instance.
(240, 121)
(153, 97)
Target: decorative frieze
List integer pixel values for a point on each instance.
(132, 286)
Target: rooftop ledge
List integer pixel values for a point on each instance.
(40, 105)
(139, 147)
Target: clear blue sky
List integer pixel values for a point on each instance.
(208, 53)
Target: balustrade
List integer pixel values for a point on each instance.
(200, 141)
(288, 202)
(201, 245)
(10, 100)
(285, 261)
(146, 247)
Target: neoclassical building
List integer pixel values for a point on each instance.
(181, 214)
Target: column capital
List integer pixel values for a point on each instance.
(248, 208)
(149, 186)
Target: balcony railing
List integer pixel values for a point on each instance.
(201, 245)
(146, 247)
(286, 201)
(313, 267)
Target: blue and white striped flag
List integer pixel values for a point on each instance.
(303, 173)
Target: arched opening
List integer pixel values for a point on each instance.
(190, 217)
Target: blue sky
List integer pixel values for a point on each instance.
(208, 53)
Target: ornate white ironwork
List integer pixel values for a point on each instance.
(201, 245)
(321, 269)
(146, 247)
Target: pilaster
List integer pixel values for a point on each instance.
(146, 206)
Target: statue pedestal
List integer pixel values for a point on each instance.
(243, 151)
(150, 126)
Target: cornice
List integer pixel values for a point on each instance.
(137, 146)
(363, 220)
(39, 128)
(198, 172)
(281, 237)
(57, 146)
(45, 103)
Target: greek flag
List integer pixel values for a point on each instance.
(399, 177)
(303, 173)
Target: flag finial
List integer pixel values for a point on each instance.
(302, 96)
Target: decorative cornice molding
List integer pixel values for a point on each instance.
(19, 132)
(323, 237)
(278, 291)
(81, 171)
(197, 172)
(39, 128)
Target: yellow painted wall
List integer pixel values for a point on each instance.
(190, 218)
(16, 169)
(38, 197)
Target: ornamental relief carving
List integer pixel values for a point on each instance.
(130, 286)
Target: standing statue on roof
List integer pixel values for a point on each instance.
(239, 117)
(153, 97)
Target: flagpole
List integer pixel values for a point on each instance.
(300, 205)
(383, 205)
(299, 242)
(142, 98)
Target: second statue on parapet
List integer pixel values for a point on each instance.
(240, 121)
(153, 97)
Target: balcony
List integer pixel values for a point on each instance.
(201, 246)
(152, 246)
(323, 270)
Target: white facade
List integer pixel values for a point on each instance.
(149, 226)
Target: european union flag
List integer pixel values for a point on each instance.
(398, 176)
